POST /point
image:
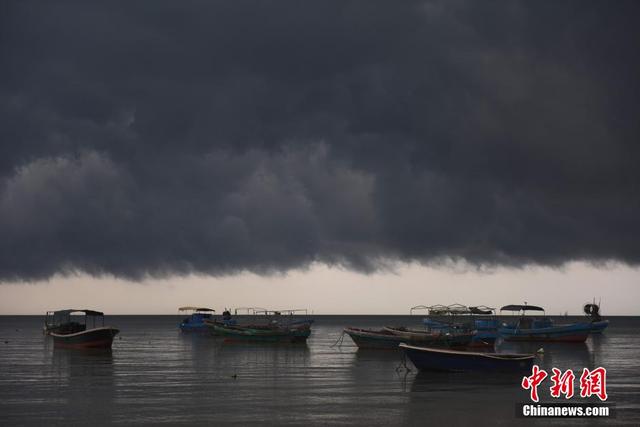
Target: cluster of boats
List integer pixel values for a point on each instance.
(449, 338)
(250, 324)
(450, 333)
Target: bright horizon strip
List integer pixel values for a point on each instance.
(326, 290)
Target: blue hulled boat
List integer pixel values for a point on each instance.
(195, 322)
(528, 328)
(439, 359)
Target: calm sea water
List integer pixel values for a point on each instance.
(157, 375)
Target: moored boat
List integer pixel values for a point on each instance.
(389, 338)
(528, 328)
(195, 322)
(261, 325)
(265, 333)
(439, 359)
(68, 330)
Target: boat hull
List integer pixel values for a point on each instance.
(370, 340)
(265, 335)
(390, 338)
(577, 332)
(186, 327)
(91, 338)
(597, 327)
(431, 359)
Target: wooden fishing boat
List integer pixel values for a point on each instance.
(261, 319)
(389, 338)
(528, 328)
(69, 330)
(439, 359)
(262, 333)
(195, 322)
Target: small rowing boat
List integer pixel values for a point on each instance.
(439, 359)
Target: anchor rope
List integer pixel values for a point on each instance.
(338, 341)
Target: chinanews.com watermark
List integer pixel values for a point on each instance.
(592, 383)
(565, 410)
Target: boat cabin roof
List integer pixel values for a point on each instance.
(453, 309)
(481, 309)
(71, 311)
(197, 309)
(526, 307)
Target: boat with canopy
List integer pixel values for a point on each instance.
(480, 320)
(73, 328)
(195, 321)
(530, 328)
(262, 325)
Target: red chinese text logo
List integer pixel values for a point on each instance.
(537, 376)
(592, 383)
(562, 383)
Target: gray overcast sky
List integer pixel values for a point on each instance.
(157, 140)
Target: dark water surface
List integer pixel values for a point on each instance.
(157, 375)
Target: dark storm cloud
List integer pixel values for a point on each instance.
(158, 138)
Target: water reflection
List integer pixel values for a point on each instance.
(157, 375)
(464, 398)
(84, 383)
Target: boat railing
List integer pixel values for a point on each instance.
(247, 311)
(291, 312)
(418, 308)
(456, 316)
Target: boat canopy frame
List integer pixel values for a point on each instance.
(288, 312)
(454, 310)
(61, 317)
(522, 308)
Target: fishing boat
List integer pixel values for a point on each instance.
(73, 328)
(480, 320)
(592, 310)
(267, 333)
(389, 338)
(439, 359)
(527, 328)
(262, 325)
(195, 322)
